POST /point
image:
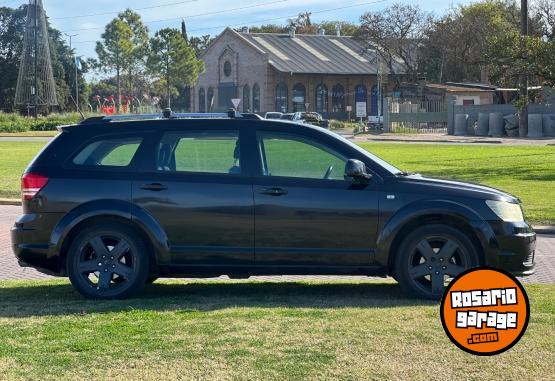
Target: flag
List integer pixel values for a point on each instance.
(78, 62)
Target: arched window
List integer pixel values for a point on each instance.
(338, 99)
(321, 98)
(210, 99)
(256, 98)
(281, 97)
(299, 98)
(246, 98)
(201, 100)
(361, 94)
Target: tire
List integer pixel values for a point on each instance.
(430, 256)
(109, 261)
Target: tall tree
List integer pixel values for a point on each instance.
(123, 48)
(173, 61)
(396, 34)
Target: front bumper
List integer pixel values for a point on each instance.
(515, 247)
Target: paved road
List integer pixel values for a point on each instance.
(9, 269)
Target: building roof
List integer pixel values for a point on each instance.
(457, 89)
(315, 54)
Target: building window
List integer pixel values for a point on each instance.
(227, 68)
(299, 98)
(210, 99)
(321, 98)
(201, 101)
(256, 98)
(281, 97)
(246, 98)
(338, 99)
(361, 94)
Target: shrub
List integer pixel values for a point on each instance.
(18, 123)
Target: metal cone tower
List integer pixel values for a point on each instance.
(35, 83)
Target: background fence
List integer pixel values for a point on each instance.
(415, 116)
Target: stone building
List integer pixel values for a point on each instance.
(288, 73)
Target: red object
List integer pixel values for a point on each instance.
(31, 184)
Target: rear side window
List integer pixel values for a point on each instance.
(117, 152)
(200, 152)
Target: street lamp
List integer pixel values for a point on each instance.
(76, 72)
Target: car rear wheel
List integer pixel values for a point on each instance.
(108, 262)
(430, 257)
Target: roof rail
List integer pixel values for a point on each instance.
(168, 114)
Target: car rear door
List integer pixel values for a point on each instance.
(199, 194)
(303, 218)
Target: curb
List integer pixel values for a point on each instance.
(10, 201)
(542, 229)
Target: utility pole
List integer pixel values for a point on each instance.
(523, 125)
(76, 72)
(36, 89)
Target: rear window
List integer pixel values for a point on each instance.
(117, 152)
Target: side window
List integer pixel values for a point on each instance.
(293, 156)
(118, 152)
(200, 152)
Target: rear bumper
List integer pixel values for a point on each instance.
(515, 248)
(30, 244)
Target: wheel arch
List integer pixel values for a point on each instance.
(432, 212)
(110, 211)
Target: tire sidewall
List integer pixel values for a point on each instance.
(404, 252)
(136, 245)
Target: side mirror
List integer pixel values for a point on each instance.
(356, 170)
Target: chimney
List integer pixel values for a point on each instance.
(338, 30)
(322, 32)
(292, 30)
(245, 30)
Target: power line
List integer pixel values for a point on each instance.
(117, 12)
(194, 15)
(267, 20)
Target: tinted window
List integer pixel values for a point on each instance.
(208, 152)
(292, 156)
(109, 152)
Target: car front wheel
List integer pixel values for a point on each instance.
(107, 262)
(430, 257)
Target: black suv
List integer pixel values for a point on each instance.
(115, 203)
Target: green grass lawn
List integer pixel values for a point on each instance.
(526, 171)
(249, 330)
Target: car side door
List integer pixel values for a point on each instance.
(199, 194)
(306, 212)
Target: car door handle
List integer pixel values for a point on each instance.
(274, 191)
(155, 187)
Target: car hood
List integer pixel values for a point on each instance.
(459, 188)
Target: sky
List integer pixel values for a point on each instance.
(88, 18)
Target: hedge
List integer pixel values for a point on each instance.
(18, 123)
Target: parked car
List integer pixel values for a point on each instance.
(315, 119)
(273, 115)
(290, 116)
(114, 203)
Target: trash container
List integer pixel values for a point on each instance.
(461, 121)
(535, 129)
(496, 124)
(549, 125)
(483, 124)
(511, 125)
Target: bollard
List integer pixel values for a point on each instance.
(483, 124)
(511, 125)
(535, 126)
(461, 121)
(496, 124)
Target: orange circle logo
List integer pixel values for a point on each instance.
(485, 311)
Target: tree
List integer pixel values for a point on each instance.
(173, 62)
(396, 33)
(200, 44)
(123, 48)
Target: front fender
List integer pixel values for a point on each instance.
(422, 208)
(111, 208)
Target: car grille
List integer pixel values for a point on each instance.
(529, 260)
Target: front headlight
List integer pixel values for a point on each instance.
(507, 211)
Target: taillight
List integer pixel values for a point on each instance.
(31, 184)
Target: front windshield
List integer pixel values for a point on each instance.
(382, 163)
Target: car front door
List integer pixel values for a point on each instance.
(200, 197)
(306, 212)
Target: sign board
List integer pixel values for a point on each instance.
(349, 108)
(361, 109)
(236, 102)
